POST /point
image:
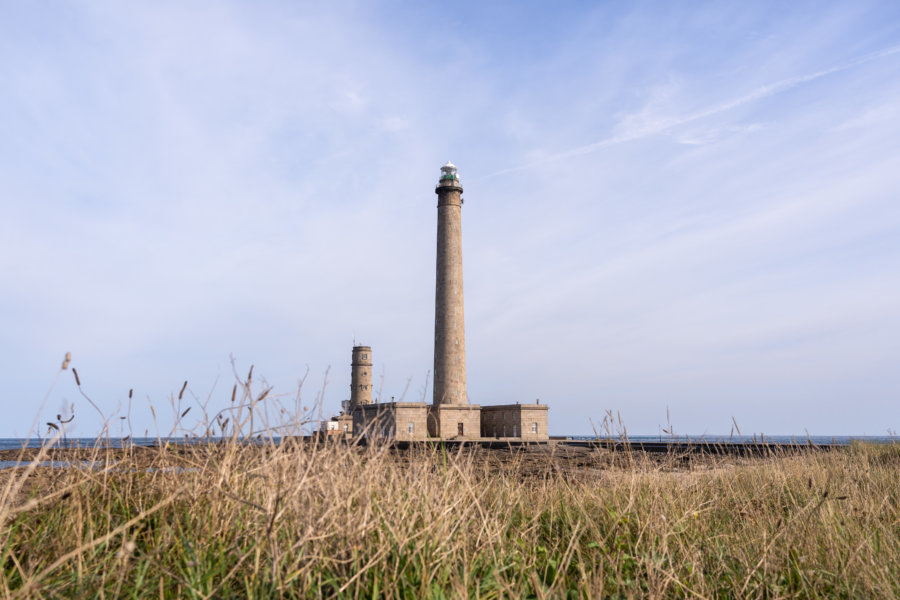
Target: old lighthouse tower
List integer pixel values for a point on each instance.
(449, 329)
(451, 413)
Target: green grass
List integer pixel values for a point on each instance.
(307, 521)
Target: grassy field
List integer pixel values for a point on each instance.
(303, 520)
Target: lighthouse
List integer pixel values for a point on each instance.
(451, 415)
(449, 321)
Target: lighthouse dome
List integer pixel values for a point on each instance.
(448, 174)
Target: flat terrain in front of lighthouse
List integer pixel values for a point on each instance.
(300, 520)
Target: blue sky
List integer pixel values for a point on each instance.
(677, 206)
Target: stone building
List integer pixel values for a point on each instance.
(360, 390)
(450, 416)
(455, 421)
(525, 421)
(343, 424)
(405, 421)
(384, 420)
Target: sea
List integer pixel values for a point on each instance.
(838, 440)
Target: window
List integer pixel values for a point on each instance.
(460, 429)
(346, 427)
(412, 427)
(365, 356)
(534, 428)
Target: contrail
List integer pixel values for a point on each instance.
(757, 94)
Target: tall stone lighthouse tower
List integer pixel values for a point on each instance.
(451, 414)
(449, 329)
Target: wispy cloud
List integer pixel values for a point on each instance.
(663, 124)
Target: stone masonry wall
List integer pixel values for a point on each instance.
(416, 416)
(521, 421)
(448, 418)
(361, 376)
(449, 322)
(391, 420)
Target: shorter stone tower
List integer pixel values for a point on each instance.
(360, 377)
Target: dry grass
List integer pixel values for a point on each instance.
(306, 520)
